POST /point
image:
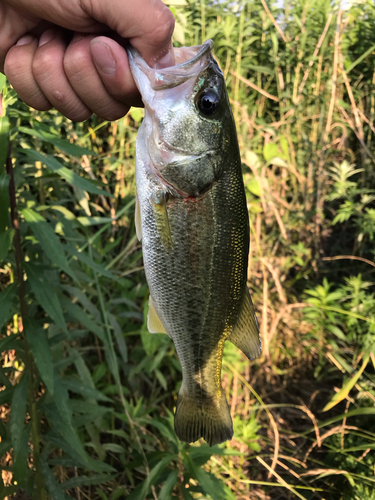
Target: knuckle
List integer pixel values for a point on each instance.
(75, 61)
(70, 106)
(14, 66)
(44, 63)
(163, 27)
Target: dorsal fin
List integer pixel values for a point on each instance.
(245, 334)
(154, 324)
(138, 226)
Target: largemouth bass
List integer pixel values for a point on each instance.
(192, 218)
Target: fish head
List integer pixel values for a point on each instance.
(187, 118)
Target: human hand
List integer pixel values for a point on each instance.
(52, 56)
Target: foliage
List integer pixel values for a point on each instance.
(87, 393)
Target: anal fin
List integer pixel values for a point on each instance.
(154, 324)
(245, 334)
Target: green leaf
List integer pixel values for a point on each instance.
(76, 482)
(20, 464)
(166, 491)
(343, 393)
(83, 299)
(39, 346)
(4, 138)
(48, 240)
(6, 239)
(82, 317)
(120, 340)
(260, 69)
(212, 486)
(360, 59)
(94, 221)
(3, 80)
(85, 390)
(18, 411)
(45, 295)
(254, 187)
(6, 300)
(9, 342)
(86, 259)
(4, 201)
(154, 474)
(61, 399)
(114, 448)
(66, 431)
(54, 489)
(91, 464)
(64, 145)
(118, 493)
(69, 175)
(270, 150)
(137, 114)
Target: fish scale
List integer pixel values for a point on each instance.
(195, 232)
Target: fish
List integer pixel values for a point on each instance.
(192, 218)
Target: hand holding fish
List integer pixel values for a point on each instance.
(52, 55)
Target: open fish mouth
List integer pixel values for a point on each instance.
(190, 62)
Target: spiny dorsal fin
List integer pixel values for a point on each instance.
(138, 226)
(154, 324)
(245, 334)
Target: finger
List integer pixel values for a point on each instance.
(18, 69)
(148, 24)
(12, 27)
(48, 71)
(85, 80)
(111, 62)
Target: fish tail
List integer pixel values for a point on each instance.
(208, 418)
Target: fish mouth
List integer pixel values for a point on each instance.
(163, 154)
(175, 154)
(193, 60)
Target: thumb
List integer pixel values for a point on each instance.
(147, 24)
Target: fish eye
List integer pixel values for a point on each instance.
(208, 102)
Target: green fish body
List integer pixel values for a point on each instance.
(193, 221)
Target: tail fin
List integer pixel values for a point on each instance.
(209, 419)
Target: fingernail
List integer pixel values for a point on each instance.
(166, 61)
(103, 57)
(24, 40)
(47, 36)
(76, 37)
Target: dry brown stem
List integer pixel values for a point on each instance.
(334, 76)
(253, 86)
(316, 51)
(279, 30)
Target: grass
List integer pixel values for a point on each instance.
(87, 393)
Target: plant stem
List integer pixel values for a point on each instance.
(39, 492)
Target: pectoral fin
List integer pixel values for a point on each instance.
(159, 206)
(245, 334)
(138, 226)
(154, 324)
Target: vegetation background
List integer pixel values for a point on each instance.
(87, 394)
